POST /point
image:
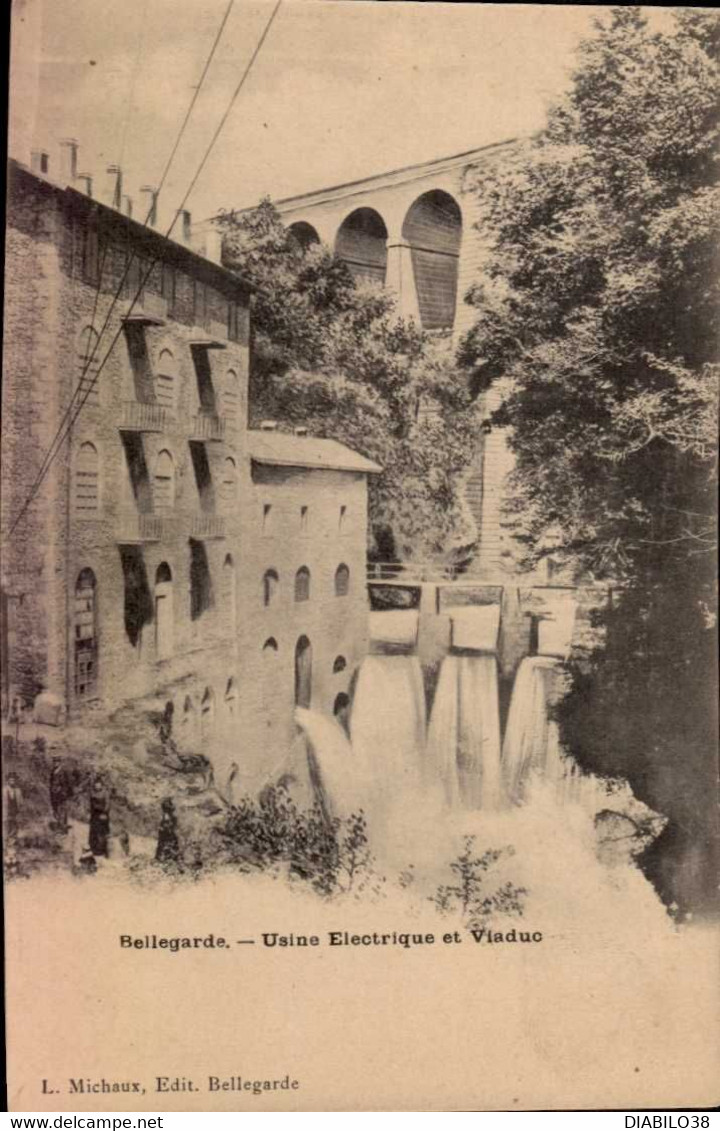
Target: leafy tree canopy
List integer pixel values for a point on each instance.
(330, 353)
(598, 304)
(597, 320)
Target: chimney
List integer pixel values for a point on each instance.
(113, 191)
(301, 430)
(151, 199)
(213, 245)
(268, 425)
(86, 183)
(68, 159)
(127, 205)
(39, 161)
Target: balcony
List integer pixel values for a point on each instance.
(149, 310)
(207, 426)
(144, 416)
(133, 528)
(205, 527)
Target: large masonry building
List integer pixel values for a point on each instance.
(163, 553)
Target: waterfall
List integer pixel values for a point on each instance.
(336, 771)
(387, 723)
(463, 748)
(532, 743)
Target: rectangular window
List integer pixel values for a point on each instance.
(91, 253)
(200, 304)
(237, 320)
(232, 322)
(168, 287)
(136, 267)
(342, 520)
(304, 518)
(267, 518)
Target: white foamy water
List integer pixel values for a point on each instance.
(463, 745)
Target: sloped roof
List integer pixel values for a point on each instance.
(288, 450)
(154, 237)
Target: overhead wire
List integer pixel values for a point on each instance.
(82, 390)
(131, 259)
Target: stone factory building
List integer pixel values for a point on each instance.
(413, 229)
(169, 554)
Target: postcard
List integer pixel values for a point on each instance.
(358, 557)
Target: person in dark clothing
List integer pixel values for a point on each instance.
(60, 793)
(13, 800)
(168, 845)
(166, 724)
(99, 818)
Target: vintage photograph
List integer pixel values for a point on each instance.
(359, 455)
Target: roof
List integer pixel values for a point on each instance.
(283, 449)
(153, 236)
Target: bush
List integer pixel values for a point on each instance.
(469, 897)
(332, 855)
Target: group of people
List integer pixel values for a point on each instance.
(62, 790)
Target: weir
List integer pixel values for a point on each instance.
(459, 760)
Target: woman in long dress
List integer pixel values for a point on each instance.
(99, 818)
(168, 845)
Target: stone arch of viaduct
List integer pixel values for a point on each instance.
(411, 230)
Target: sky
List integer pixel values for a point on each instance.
(342, 89)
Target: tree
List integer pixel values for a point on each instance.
(598, 318)
(331, 354)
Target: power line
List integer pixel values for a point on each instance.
(96, 345)
(146, 276)
(61, 435)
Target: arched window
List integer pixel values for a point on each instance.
(342, 581)
(433, 229)
(303, 672)
(89, 356)
(228, 587)
(302, 584)
(341, 710)
(228, 485)
(270, 586)
(164, 620)
(166, 381)
(362, 243)
(231, 697)
(207, 714)
(85, 642)
(164, 491)
(270, 646)
(87, 481)
(339, 665)
(340, 706)
(231, 401)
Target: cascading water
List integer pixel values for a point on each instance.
(387, 725)
(463, 747)
(532, 745)
(339, 777)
